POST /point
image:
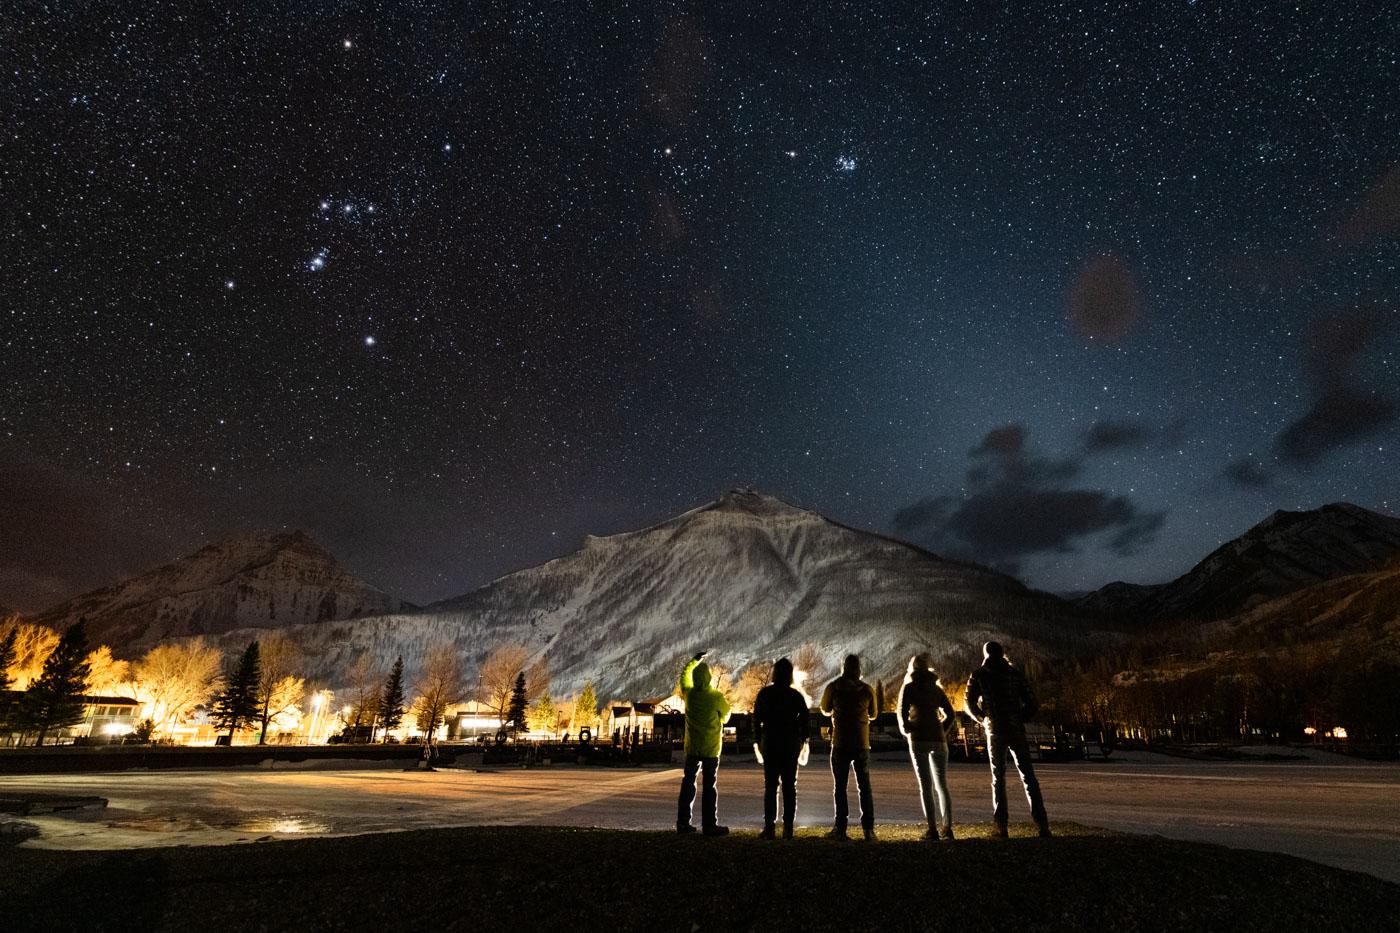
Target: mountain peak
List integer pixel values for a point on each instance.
(753, 502)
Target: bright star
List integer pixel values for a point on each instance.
(666, 151)
(318, 261)
(845, 163)
(229, 284)
(347, 44)
(348, 208)
(791, 153)
(325, 205)
(369, 341)
(446, 147)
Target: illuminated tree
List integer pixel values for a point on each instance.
(745, 689)
(7, 658)
(237, 702)
(498, 674)
(440, 684)
(55, 699)
(391, 706)
(543, 716)
(33, 643)
(106, 674)
(175, 678)
(363, 678)
(277, 656)
(586, 708)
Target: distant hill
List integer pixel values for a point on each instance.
(1285, 552)
(748, 576)
(249, 581)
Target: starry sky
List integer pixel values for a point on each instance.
(1075, 290)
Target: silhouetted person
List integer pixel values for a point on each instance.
(850, 702)
(706, 712)
(999, 697)
(781, 722)
(925, 716)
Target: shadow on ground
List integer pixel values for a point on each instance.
(526, 878)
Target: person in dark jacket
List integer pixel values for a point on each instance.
(925, 716)
(780, 730)
(999, 697)
(850, 702)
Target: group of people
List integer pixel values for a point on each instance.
(998, 697)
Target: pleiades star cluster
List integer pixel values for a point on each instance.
(1077, 290)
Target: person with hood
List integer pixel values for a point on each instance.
(850, 702)
(999, 698)
(706, 712)
(921, 704)
(781, 723)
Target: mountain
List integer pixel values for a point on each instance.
(748, 577)
(1284, 553)
(249, 581)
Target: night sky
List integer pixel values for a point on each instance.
(1074, 291)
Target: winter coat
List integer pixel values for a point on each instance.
(781, 721)
(920, 701)
(706, 711)
(850, 702)
(998, 695)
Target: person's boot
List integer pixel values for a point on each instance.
(787, 830)
(946, 833)
(868, 832)
(837, 832)
(998, 830)
(684, 829)
(930, 835)
(767, 832)
(714, 829)
(1045, 830)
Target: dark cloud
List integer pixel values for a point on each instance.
(1116, 435)
(1105, 303)
(1247, 473)
(1343, 411)
(1337, 418)
(1018, 505)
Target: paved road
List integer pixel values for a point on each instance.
(1339, 814)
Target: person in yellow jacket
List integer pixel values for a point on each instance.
(706, 712)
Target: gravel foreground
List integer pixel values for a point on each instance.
(531, 878)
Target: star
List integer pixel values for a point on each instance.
(347, 44)
(446, 147)
(318, 261)
(370, 341)
(229, 284)
(845, 163)
(791, 153)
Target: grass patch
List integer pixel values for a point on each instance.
(532, 878)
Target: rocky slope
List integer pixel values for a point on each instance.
(245, 582)
(1284, 553)
(748, 577)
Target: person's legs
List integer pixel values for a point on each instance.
(687, 797)
(709, 800)
(920, 752)
(770, 793)
(996, 754)
(939, 755)
(867, 796)
(789, 778)
(1020, 750)
(840, 777)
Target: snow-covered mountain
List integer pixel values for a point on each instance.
(249, 581)
(1284, 553)
(748, 577)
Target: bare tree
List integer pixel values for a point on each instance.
(175, 678)
(33, 645)
(439, 685)
(537, 679)
(498, 673)
(364, 679)
(278, 656)
(106, 674)
(746, 687)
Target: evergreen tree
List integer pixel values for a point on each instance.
(586, 708)
(237, 702)
(544, 717)
(7, 657)
(55, 700)
(515, 714)
(391, 703)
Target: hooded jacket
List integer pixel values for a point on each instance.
(781, 721)
(706, 711)
(850, 702)
(920, 700)
(998, 695)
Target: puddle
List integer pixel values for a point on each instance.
(280, 824)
